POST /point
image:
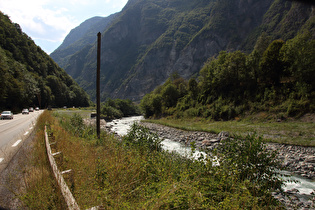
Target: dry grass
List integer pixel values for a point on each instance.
(41, 191)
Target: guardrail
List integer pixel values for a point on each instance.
(70, 200)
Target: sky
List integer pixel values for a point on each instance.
(48, 22)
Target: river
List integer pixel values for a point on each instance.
(121, 127)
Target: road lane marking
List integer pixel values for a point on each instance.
(26, 133)
(1, 159)
(16, 143)
(31, 128)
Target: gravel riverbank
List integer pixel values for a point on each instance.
(298, 160)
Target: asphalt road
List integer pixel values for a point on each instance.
(13, 133)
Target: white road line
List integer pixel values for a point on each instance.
(26, 133)
(31, 128)
(16, 143)
(1, 159)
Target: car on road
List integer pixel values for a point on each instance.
(37, 109)
(25, 111)
(31, 109)
(6, 115)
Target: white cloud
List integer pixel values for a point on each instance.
(35, 19)
(52, 20)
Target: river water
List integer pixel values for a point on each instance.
(121, 127)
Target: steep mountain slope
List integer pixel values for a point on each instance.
(29, 77)
(80, 37)
(151, 39)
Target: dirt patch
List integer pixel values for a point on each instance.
(12, 177)
(310, 117)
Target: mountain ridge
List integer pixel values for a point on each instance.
(150, 40)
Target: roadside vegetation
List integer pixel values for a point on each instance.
(135, 173)
(40, 190)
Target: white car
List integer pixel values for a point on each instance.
(25, 111)
(6, 115)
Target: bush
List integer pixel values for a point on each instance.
(110, 113)
(118, 108)
(249, 159)
(141, 137)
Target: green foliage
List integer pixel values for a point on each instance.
(250, 160)
(75, 125)
(274, 78)
(151, 105)
(29, 77)
(271, 65)
(118, 108)
(140, 136)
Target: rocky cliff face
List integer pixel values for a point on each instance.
(79, 38)
(151, 39)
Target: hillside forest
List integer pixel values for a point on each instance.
(277, 77)
(29, 77)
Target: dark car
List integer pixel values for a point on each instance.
(6, 115)
(25, 111)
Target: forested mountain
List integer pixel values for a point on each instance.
(29, 77)
(149, 40)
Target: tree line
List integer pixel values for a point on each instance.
(277, 76)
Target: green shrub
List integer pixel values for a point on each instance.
(248, 159)
(110, 113)
(141, 137)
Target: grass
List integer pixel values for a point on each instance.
(284, 132)
(116, 175)
(41, 190)
(85, 113)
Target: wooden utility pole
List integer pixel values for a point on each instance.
(98, 86)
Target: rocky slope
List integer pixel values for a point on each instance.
(149, 40)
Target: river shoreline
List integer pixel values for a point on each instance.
(297, 159)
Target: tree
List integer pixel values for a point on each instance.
(151, 104)
(271, 65)
(298, 54)
(193, 88)
(170, 95)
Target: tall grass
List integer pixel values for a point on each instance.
(135, 174)
(41, 190)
